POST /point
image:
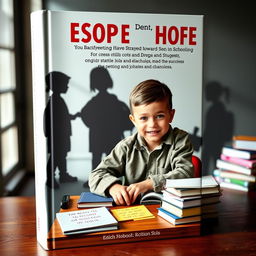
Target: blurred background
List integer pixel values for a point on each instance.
(229, 82)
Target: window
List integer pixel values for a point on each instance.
(9, 150)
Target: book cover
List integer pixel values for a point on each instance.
(233, 186)
(181, 212)
(240, 153)
(207, 181)
(234, 175)
(183, 192)
(151, 198)
(88, 199)
(87, 62)
(175, 220)
(240, 161)
(89, 220)
(244, 142)
(190, 201)
(234, 167)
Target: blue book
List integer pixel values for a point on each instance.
(175, 220)
(88, 199)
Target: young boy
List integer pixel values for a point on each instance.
(146, 159)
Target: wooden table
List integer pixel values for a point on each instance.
(234, 233)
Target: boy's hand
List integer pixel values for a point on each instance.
(137, 188)
(119, 194)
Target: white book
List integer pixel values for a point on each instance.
(233, 186)
(85, 220)
(203, 182)
(224, 165)
(175, 220)
(240, 153)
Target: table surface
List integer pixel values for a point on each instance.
(233, 233)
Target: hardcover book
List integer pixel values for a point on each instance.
(175, 220)
(244, 142)
(85, 65)
(239, 153)
(234, 167)
(88, 199)
(181, 212)
(240, 161)
(202, 182)
(86, 221)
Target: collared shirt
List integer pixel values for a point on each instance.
(131, 159)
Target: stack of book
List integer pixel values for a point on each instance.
(190, 200)
(236, 168)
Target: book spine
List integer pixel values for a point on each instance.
(244, 144)
(233, 186)
(236, 181)
(233, 167)
(244, 137)
(236, 153)
(39, 65)
(240, 161)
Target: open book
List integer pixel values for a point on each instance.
(151, 198)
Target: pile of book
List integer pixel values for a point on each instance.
(236, 168)
(190, 200)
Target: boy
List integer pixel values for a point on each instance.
(146, 159)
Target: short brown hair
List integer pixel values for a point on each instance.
(150, 91)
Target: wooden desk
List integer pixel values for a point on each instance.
(233, 234)
(128, 231)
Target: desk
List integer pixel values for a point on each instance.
(233, 234)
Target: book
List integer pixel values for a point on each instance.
(88, 199)
(233, 186)
(83, 62)
(151, 198)
(243, 183)
(182, 192)
(236, 181)
(191, 201)
(207, 181)
(240, 153)
(224, 165)
(244, 142)
(175, 220)
(86, 221)
(240, 161)
(181, 212)
(235, 175)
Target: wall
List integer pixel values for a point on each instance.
(229, 62)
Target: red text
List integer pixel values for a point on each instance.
(98, 32)
(175, 35)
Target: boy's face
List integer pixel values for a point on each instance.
(152, 121)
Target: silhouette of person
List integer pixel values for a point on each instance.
(195, 139)
(57, 129)
(219, 124)
(106, 117)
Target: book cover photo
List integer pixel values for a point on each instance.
(85, 65)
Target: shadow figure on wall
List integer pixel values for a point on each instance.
(106, 117)
(219, 124)
(195, 139)
(57, 129)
